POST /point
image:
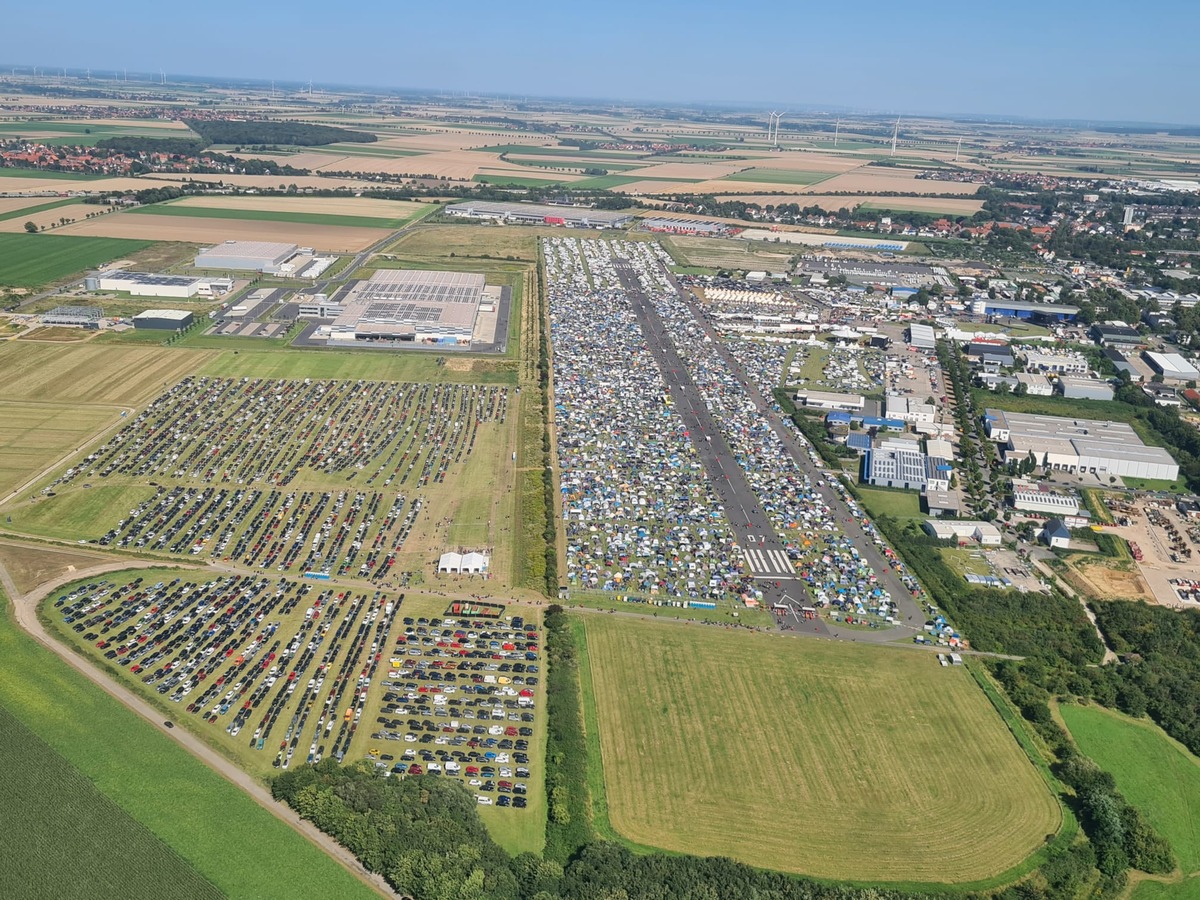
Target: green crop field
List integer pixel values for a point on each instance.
(49, 174)
(834, 760)
(61, 833)
(37, 434)
(32, 260)
(1156, 774)
(271, 215)
(40, 207)
(517, 181)
(778, 176)
(225, 836)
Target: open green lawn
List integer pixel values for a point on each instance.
(964, 561)
(339, 364)
(271, 215)
(54, 815)
(36, 434)
(778, 176)
(1156, 774)
(78, 514)
(218, 831)
(33, 260)
(891, 502)
(836, 760)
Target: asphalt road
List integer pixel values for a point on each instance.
(773, 572)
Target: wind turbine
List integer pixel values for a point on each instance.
(163, 73)
(778, 120)
(895, 135)
(957, 149)
(836, 129)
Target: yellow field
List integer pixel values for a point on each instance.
(48, 217)
(8, 204)
(92, 373)
(830, 759)
(866, 181)
(17, 184)
(330, 206)
(332, 238)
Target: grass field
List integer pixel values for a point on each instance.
(37, 434)
(1156, 774)
(92, 373)
(29, 565)
(52, 814)
(225, 836)
(516, 181)
(35, 208)
(833, 760)
(888, 502)
(32, 260)
(75, 515)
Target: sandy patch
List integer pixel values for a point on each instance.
(336, 239)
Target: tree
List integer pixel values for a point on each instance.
(31, 227)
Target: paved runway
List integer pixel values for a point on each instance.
(765, 554)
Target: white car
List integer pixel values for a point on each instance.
(475, 782)
(483, 801)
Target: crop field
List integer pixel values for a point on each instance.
(719, 254)
(46, 217)
(363, 207)
(777, 176)
(92, 373)
(295, 216)
(52, 814)
(153, 226)
(833, 760)
(33, 260)
(228, 839)
(1156, 774)
(35, 435)
(15, 207)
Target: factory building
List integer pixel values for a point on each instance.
(908, 409)
(1078, 445)
(407, 306)
(1116, 334)
(1033, 496)
(1058, 363)
(960, 531)
(246, 256)
(898, 463)
(146, 284)
(163, 319)
(661, 225)
(537, 214)
(1173, 368)
(1122, 364)
(1035, 385)
(827, 400)
(78, 316)
(1073, 388)
(1018, 309)
(922, 337)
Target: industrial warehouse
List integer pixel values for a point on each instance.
(410, 306)
(1079, 445)
(246, 256)
(163, 319)
(146, 284)
(535, 214)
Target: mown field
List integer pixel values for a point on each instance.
(32, 260)
(224, 835)
(53, 814)
(1157, 775)
(92, 373)
(273, 215)
(833, 760)
(37, 434)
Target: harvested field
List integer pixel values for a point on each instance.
(47, 217)
(778, 176)
(691, 171)
(724, 185)
(332, 238)
(29, 184)
(12, 204)
(37, 434)
(330, 206)
(774, 752)
(716, 253)
(92, 373)
(302, 182)
(59, 334)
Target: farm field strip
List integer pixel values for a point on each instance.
(53, 813)
(33, 260)
(802, 745)
(45, 217)
(150, 226)
(92, 373)
(270, 215)
(361, 207)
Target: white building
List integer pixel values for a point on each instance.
(908, 409)
(1031, 496)
(1035, 385)
(463, 563)
(827, 400)
(1073, 388)
(1059, 363)
(146, 284)
(922, 336)
(984, 533)
(246, 256)
(1173, 368)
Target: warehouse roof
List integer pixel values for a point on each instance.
(177, 315)
(1172, 365)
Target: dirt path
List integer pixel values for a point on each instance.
(25, 611)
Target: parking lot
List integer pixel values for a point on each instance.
(280, 672)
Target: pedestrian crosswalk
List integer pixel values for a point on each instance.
(768, 563)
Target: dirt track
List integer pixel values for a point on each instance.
(25, 610)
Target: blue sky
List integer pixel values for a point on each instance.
(1098, 60)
